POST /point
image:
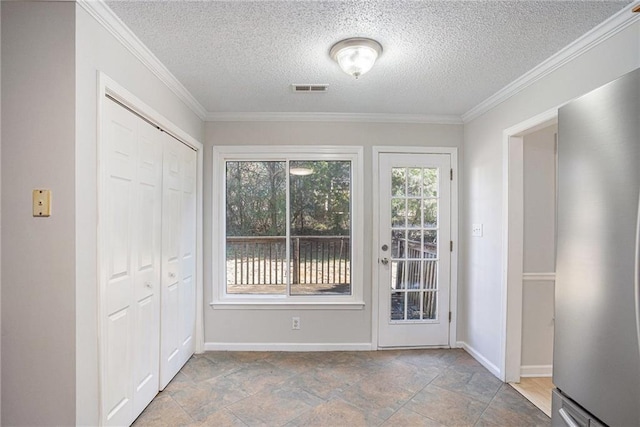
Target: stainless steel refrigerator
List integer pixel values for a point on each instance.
(596, 360)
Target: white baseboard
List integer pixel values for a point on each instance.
(216, 346)
(536, 370)
(480, 358)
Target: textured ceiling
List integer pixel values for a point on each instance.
(440, 57)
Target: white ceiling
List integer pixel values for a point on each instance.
(439, 58)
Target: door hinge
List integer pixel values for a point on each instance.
(450, 245)
(451, 174)
(449, 317)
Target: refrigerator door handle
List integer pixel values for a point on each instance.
(636, 275)
(568, 419)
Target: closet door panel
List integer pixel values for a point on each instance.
(117, 263)
(178, 291)
(148, 262)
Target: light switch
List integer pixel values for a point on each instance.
(476, 230)
(41, 202)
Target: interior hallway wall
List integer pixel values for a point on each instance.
(38, 254)
(539, 248)
(98, 50)
(318, 326)
(481, 296)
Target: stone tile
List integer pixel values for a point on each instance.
(259, 376)
(274, 407)
(200, 368)
(294, 361)
(321, 382)
(163, 411)
(405, 375)
(510, 408)
(204, 398)
(446, 407)
(336, 412)
(476, 384)
(405, 417)
(222, 418)
(178, 382)
(429, 358)
(377, 397)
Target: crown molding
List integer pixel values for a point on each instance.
(102, 13)
(597, 35)
(334, 117)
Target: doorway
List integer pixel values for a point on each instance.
(414, 249)
(529, 281)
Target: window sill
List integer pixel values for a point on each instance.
(279, 305)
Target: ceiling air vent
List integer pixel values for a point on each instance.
(309, 88)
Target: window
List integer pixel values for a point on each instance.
(289, 228)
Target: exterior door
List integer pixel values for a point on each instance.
(130, 264)
(178, 258)
(414, 256)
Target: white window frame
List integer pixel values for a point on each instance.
(223, 154)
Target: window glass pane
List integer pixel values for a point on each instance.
(398, 244)
(414, 181)
(414, 213)
(320, 206)
(430, 210)
(398, 215)
(430, 305)
(255, 227)
(430, 182)
(413, 305)
(397, 305)
(430, 244)
(398, 181)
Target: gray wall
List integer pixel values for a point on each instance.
(97, 50)
(481, 296)
(318, 326)
(539, 246)
(38, 254)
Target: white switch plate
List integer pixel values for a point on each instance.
(41, 202)
(476, 230)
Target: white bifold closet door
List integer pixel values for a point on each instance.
(178, 258)
(138, 307)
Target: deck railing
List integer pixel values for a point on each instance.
(263, 260)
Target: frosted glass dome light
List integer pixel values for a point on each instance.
(357, 55)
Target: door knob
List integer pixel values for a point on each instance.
(384, 261)
(148, 284)
(172, 275)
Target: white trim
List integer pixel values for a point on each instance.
(539, 277)
(536, 370)
(354, 154)
(512, 237)
(594, 37)
(107, 86)
(215, 346)
(333, 117)
(103, 14)
(267, 305)
(453, 289)
(480, 358)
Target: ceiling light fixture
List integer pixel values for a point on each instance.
(356, 55)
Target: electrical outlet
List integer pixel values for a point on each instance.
(476, 230)
(295, 323)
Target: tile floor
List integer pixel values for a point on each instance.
(390, 388)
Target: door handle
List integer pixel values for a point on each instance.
(568, 419)
(384, 261)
